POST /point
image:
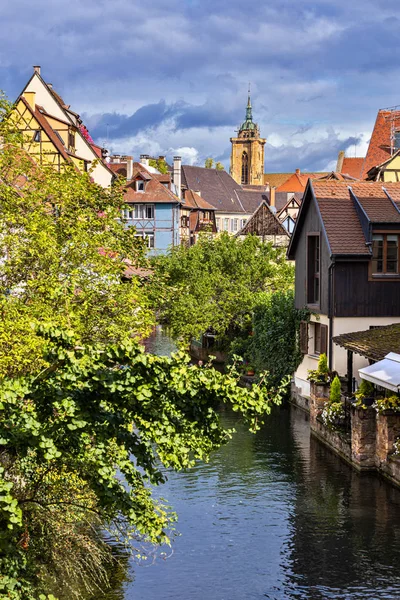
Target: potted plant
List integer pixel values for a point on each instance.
(321, 375)
(333, 414)
(365, 394)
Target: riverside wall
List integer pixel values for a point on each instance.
(367, 443)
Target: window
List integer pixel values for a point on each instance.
(245, 168)
(288, 224)
(71, 140)
(243, 223)
(226, 224)
(139, 185)
(235, 223)
(320, 338)
(143, 211)
(303, 333)
(385, 254)
(313, 265)
(218, 223)
(127, 213)
(148, 238)
(149, 211)
(37, 136)
(185, 221)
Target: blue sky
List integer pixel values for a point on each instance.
(171, 77)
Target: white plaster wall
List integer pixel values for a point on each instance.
(339, 358)
(44, 98)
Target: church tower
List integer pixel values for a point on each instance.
(247, 156)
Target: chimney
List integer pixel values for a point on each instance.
(340, 159)
(144, 159)
(272, 196)
(161, 157)
(36, 68)
(178, 175)
(129, 167)
(50, 85)
(297, 171)
(30, 98)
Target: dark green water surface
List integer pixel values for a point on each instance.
(276, 515)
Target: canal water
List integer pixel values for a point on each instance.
(276, 515)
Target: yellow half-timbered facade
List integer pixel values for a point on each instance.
(54, 134)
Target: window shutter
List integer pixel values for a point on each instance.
(324, 339)
(304, 337)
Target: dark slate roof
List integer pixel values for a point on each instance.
(374, 344)
(251, 200)
(217, 187)
(221, 190)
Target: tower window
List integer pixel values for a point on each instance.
(245, 168)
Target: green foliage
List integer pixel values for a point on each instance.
(335, 390)
(75, 420)
(65, 252)
(323, 364)
(365, 389)
(216, 284)
(388, 403)
(209, 163)
(159, 164)
(275, 343)
(321, 375)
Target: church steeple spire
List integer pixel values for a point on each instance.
(249, 110)
(248, 124)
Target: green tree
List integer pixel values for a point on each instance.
(86, 417)
(159, 164)
(275, 343)
(219, 166)
(216, 284)
(67, 445)
(209, 163)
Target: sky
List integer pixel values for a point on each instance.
(166, 78)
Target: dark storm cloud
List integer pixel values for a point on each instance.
(175, 74)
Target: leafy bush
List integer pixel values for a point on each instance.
(335, 391)
(321, 375)
(389, 403)
(275, 344)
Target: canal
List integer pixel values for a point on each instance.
(276, 515)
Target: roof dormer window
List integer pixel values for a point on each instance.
(385, 254)
(139, 185)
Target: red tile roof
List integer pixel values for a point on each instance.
(379, 148)
(155, 192)
(340, 217)
(298, 181)
(352, 166)
(193, 200)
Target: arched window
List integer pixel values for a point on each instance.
(245, 168)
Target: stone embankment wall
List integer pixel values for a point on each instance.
(368, 445)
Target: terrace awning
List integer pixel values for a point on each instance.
(385, 373)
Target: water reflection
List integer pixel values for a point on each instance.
(275, 515)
